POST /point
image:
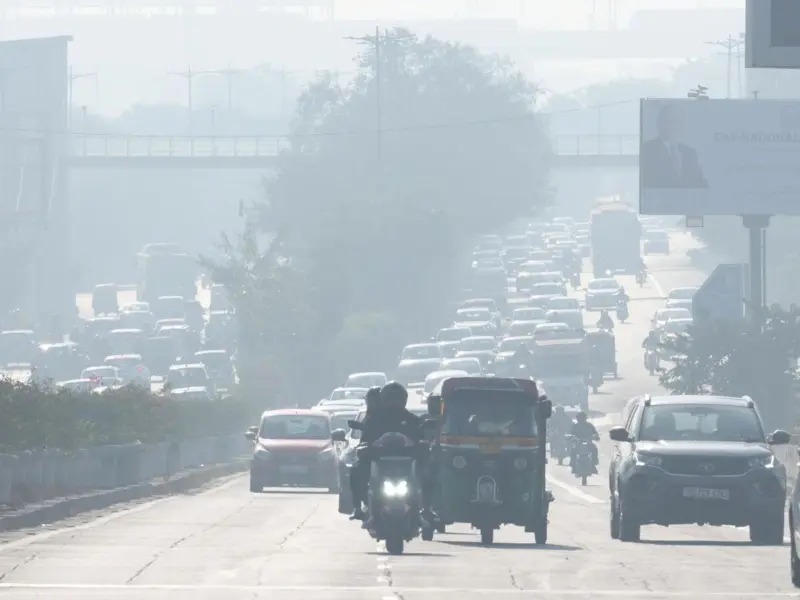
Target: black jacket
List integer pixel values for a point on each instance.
(584, 431)
(388, 421)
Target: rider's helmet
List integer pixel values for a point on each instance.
(394, 395)
(580, 417)
(372, 399)
(603, 313)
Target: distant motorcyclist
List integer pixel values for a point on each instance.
(652, 341)
(605, 321)
(583, 430)
(359, 470)
(559, 423)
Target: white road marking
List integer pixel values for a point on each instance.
(571, 489)
(582, 593)
(654, 281)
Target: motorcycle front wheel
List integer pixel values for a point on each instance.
(395, 545)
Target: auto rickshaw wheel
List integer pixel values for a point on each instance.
(441, 528)
(427, 534)
(540, 535)
(487, 536)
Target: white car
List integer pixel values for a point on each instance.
(681, 297)
(366, 380)
(666, 314)
(130, 367)
(471, 366)
(563, 303)
(189, 375)
(421, 352)
(602, 294)
(348, 393)
(105, 375)
(435, 378)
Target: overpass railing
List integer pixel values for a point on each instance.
(122, 146)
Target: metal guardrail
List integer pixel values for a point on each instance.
(113, 146)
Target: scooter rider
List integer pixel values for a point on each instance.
(651, 344)
(605, 321)
(559, 423)
(583, 430)
(359, 470)
(390, 416)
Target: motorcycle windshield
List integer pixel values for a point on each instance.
(477, 413)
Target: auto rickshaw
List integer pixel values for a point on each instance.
(602, 352)
(104, 299)
(489, 455)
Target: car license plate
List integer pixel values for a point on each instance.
(294, 469)
(705, 493)
(491, 447)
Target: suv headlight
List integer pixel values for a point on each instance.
(762, 461)
(648, 460)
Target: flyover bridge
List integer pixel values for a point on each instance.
(91, 151)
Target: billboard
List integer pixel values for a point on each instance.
(772, 38)
(719, 157)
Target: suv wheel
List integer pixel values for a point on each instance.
(767, 530)
(255, 486)
(794, 561)
(629, 530)
(614, 518)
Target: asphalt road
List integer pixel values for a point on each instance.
(226, 543)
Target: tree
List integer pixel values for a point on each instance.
(388, 180)
(741, 358)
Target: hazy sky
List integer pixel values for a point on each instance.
(128, 76)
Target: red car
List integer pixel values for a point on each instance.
(293, 447)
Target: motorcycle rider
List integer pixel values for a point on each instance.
(605, 321)
(390, 416)
(583, 430)
(559, 425)
(651, 343)
(359, 470)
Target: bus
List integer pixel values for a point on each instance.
(166, 270)
(615, 239)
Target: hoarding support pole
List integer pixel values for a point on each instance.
(756, 224)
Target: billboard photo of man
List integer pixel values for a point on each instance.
(667, 163)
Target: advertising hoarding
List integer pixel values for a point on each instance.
(719, 157)
(772, 37)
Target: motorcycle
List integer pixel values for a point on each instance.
(641, 278)
(622, 312)
(583, 464)
(394, 499)
(605, 325)
(559, 447)
(651, 361)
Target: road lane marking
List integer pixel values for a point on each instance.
(654, 281)
(401, 590)
(571, 489)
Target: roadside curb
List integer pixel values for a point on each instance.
(64, 508)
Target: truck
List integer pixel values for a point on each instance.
(561, 366)
(615, 234)
(165, 269)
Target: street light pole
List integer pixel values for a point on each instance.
(189, 75)
(730, 44)
(73, 77)
(229, 75)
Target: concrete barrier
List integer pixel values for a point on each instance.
(39, 476)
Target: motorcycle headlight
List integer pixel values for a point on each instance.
(520, 463)
(647, 460)
(459, 462)
(398, 489)
(762, 461)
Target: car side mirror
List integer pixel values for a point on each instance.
(619, 434)
(250, 435)
(338, 435)
(353, 424)
(779, 437)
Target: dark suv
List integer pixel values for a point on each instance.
(696, 460)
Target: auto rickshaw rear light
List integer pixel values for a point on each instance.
(520, 463)
(459, 462)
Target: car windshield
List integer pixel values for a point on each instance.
(682, 294)
(472, 412)
(216, 361)
(604, 284)
(187, 377)
(124, 362)
(563, 304)
(365, 380)
(295, 427)
(473, 344)
(701, 422)
(656, 235)
(102, 372)
(523, 328)
(452, 335)
(421, 352)
(528, 314)
(546, 289)
(534, 267)
(473, 314)
(415, 372)
(349, 394)
(339, 420)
